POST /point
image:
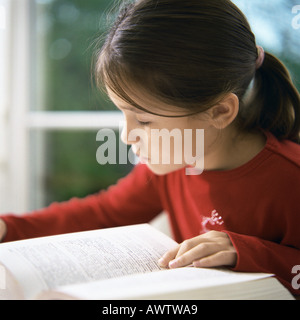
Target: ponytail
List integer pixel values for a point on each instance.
(274, 103)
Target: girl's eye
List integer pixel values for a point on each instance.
(143, 123)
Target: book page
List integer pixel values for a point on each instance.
(46, 263)
(175, 283)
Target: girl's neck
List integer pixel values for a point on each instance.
(233, 149)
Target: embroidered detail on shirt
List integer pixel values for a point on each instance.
(214, 219)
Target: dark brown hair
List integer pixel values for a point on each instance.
(189, 54)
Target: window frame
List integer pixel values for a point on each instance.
(21, 120)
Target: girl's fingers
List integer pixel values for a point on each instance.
(210, 250)
(167, 257)
(189, 244)
(221, 258)
(212, 236)
(178, 251)
(188, 257)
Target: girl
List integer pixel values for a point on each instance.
(194, 64)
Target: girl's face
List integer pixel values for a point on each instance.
(163, 143)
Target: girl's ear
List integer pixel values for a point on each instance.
(225, 112)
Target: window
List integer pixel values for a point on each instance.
(54, 112)
(50, 111)
(67, 111)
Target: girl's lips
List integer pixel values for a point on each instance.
(143, 159)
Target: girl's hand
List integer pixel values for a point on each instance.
(212, 249)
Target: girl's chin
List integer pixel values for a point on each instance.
(163, 169)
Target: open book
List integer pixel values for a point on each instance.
(118, 263)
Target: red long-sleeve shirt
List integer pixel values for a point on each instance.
(257, 205)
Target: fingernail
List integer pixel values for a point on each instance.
(197, 264)
(173, 263)
(161, 261)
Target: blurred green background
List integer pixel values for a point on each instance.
(66, 35)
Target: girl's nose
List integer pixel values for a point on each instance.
(128, 138)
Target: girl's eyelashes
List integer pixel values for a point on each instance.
(144, 123)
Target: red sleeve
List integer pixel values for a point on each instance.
(257, 255)
(134, 199)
